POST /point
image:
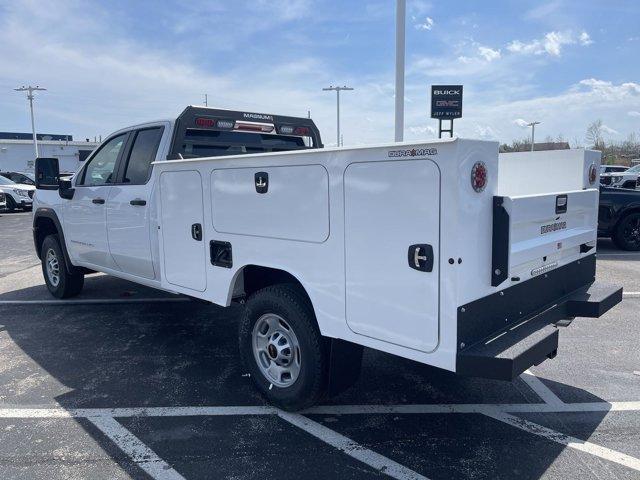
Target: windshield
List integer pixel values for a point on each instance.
(6, 181)
(635, 169)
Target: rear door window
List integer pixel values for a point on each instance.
(143, 152)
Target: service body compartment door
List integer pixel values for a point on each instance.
(184, 257)
(389, 207)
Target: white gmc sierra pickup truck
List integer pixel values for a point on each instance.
(441, 252)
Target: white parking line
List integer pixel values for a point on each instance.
(103, 418)
(630, 294)
(540, 388)
(438, 408)
(141, 455)
(94, 301)
(351, 448)
(567, 440)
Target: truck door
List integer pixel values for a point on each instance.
(182, 228)
(128, 206)
(392, 230)
(85, 219)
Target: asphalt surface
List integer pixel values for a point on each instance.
(154, 389)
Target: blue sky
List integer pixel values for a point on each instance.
(110, 64)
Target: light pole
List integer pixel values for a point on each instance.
(30, 91)
(533, 132)
(401, 8)
(337, 90)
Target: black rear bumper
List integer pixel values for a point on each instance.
(502, 335)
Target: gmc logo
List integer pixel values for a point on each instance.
(447, 103)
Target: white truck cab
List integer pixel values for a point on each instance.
(439, 252)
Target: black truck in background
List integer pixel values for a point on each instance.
(619, 217)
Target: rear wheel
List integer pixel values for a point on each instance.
(60, 282)
(627, 233)
(282, 348)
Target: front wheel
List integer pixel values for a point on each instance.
(11, 204)
(627, 233)
(60, 282)
(282, 348)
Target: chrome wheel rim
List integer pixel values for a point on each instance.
(276, 350)
(53, 267)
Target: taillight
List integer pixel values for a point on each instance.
(205, 122)
(291, 130)
(479, 176)
(593, 174)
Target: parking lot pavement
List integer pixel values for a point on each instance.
(155, 389)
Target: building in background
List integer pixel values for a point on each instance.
(16, 151)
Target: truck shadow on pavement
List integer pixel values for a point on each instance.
(185, 354)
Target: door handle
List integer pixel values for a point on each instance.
(138, 202)
(99, 201)
(420, 257)
(196, 232)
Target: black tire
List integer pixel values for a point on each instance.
(627, 233)
(11, 204)
(291, 304)
(68, 284)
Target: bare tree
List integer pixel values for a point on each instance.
(594, 135)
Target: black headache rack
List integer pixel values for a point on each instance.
(210, 132)
(502, 335)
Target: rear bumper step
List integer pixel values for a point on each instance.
(509, 352)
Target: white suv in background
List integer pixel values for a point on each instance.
(626, 179)
(17, 195)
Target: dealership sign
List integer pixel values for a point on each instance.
(446, 101)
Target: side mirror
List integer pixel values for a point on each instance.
(47, 174)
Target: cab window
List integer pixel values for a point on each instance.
(101, 168)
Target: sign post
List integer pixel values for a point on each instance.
(446, 104)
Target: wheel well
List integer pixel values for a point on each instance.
(255, 277)
(44, 227)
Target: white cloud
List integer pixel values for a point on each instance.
(426, 25)
(585, 39)
(419, 7)
(489, 54)
(609, 130)
(633, 113)
(521, 122)
(485, 132)
(551, 44)
(422, 130)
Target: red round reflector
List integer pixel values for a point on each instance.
(593, 174)
(479, 176)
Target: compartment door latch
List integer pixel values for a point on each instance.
(196, 232)
(420, 257)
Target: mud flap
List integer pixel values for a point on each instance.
(345, 361)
